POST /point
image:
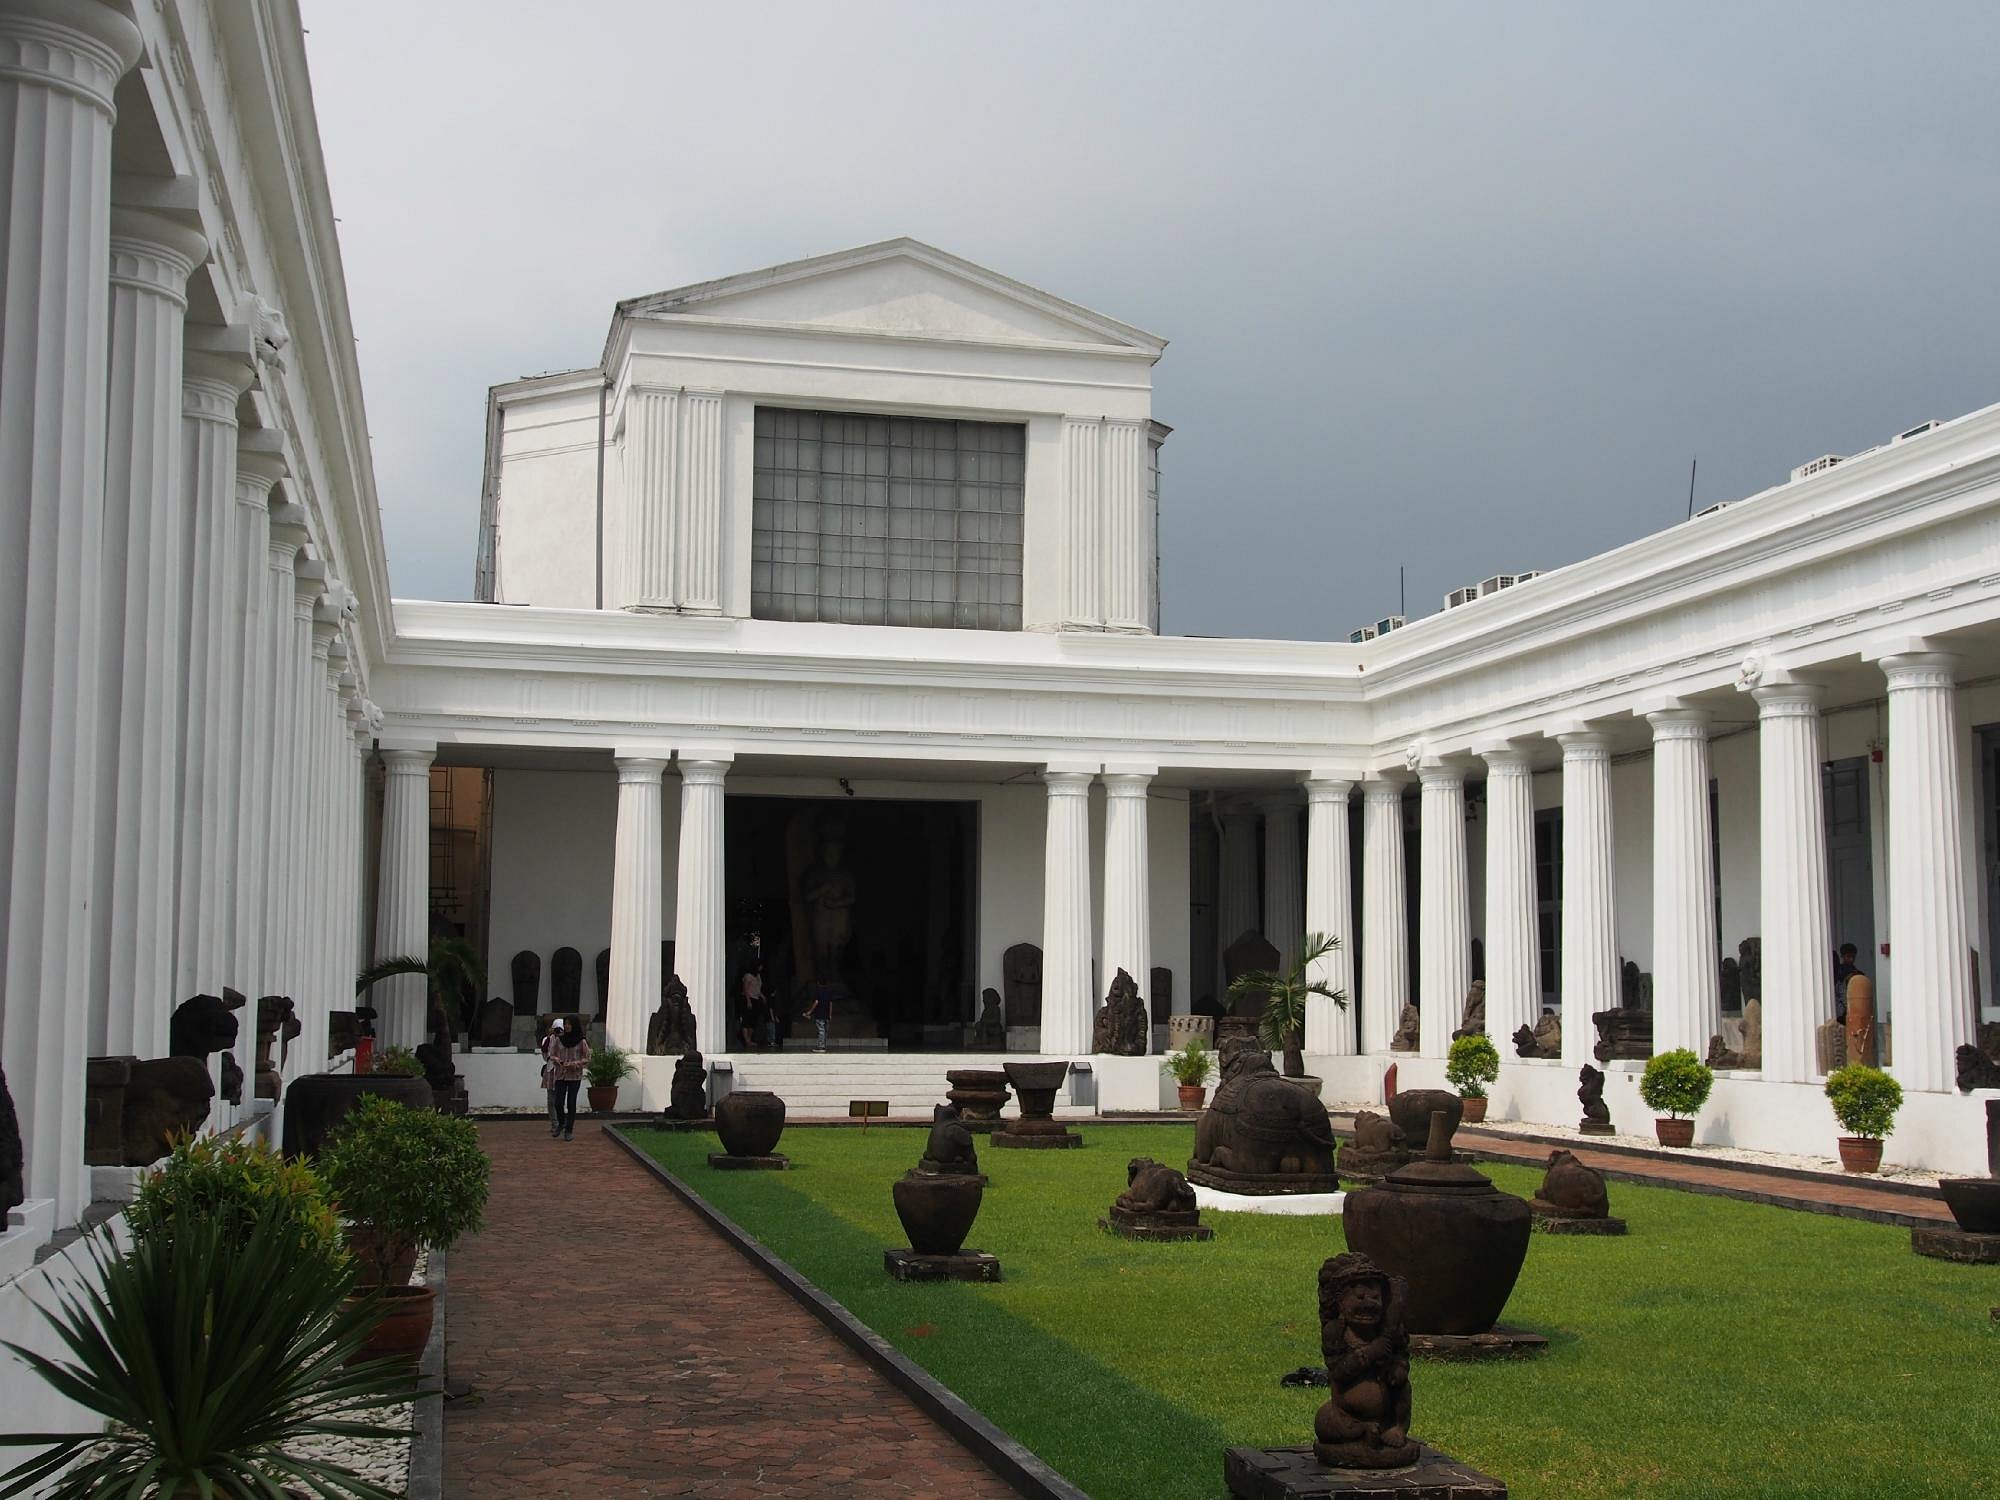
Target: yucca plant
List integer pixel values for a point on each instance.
(451, 970)
(1283, 1024)
(211, 1355)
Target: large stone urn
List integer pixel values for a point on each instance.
(937, 1212)
(1444, 1228)
(315, 1104)
(749, 1121)
(1035, 1085)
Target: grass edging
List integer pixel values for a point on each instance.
(426, 1477)
(1015, 1464)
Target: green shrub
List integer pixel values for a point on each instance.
(1676, 1083)
(1193, 1065)
(1474, 1063)
(1865, 1100)
(207, 1352)
(398, 1062)
(235, 1184)
(609, 1066)
(406, 1177)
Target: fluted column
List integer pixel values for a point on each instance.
(1236, 906)
(700, 933)
(1687, 992)
(60, 60)
(1284, 886)
(673, 499)
(1067, 1003)
(1385, 951)
(1589, 899)
(1792, 894)
(260, 464)
(1446, 922)
(283, 752)
(136, 786)
(1329, 909)
(1930, 940)
(1128, 869)
(403, 902)
(637, 909)
(1513, 946)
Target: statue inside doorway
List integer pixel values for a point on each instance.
(827, 891)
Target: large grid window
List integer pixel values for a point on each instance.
(863, 520)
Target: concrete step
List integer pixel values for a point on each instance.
(821, 1084)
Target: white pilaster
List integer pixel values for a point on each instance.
(1589, 899)
(1067, 1004)
(137, 785)
(1792, 895)
(1329, 910)
(1929, 938)
(1129, 543)
(698, 507)
(1284, 889)
(1385, 953)
(1445, 926)
(1513, 947)
(60, 60)
(403, 901)
(1083, 525)
(1128, 869)
(673, 500)
(700, 932)
(1687, 992)
(637, 910)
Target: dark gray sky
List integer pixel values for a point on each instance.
(1462, 288)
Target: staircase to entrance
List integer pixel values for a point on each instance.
(821, 1085)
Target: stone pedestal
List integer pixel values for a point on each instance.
(1946, 1242)
(1554, 1221)
(1164, 1226)
(1010, 1135)
(724, 1162)
(1294, 1474)
(1035, 1085)
(967, 1265)
(980, 1094)
(1594, 1127)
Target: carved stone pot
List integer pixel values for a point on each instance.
(1860, 1153)
(1974, 1202)
(937, 1212)
(1035, 1086)
(750, 1122)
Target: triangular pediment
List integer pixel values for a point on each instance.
(897, 287)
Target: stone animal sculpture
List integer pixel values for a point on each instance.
(1546, 1040)
(1590, 1094)
(203, 1024)
(1473, 1023)
(1378, 1148)
(1412, 1110)
(671, 1032)
(1571, 1190)
(687, 1096)
(1262, 1134)
(13, 1176)
(1154, 1188)
(1121, 1025)
(1365, 1421)
(164, 1097)
(949, 1151)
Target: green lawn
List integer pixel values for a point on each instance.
(1720, 1348)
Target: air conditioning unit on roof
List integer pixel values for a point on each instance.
(1917, 431)
(1818, 466)
(1458, 597)
(1720, 505)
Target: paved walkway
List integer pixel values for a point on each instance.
(618, 1347)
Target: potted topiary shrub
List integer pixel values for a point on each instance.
(1865, 1101)
(403, 1178)
(1675, 1084)
(1474, 1063)
(609, 1066)
(1191, 1068)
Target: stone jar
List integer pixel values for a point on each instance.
(1974, 1202)
(1458, 1240)
(937, 1212)
(1412, 1110)
(749, 1121)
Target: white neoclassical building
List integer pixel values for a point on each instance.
(823, 606)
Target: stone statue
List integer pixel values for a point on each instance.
(1751, 1053)
(1365, 1422)
(566, 982)
(1732, 986)
(1628, 984)
(1409, 1029)
(1153, 1188)
(1571, 1190)
(527, 972)
(1975, 1070)
(13, 1176)
(1624, 1031)
(1378, 1148)
(687, 1097)
(276, 1017)
(1021, 975)
(671, 1032)
(1546, 1040)
(828, 891)
(1474, 1021)
(1750, 967)
(991, 1033)
(949, 1152)
(1250, 953)
(1590, 1094)
(495, 1026)
(207, 1023)
(1261, 1134)
(1122, 1024)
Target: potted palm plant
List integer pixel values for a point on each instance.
(1283, 1024)
(1191, 1068)
(1675, 1085)
(452, 972)
(608, 1067)
(1865, 1101)
(1473, 1064)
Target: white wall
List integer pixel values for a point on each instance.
(547, 513)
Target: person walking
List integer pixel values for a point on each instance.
(569, 1056)
(820, 1011)
(548, 1046)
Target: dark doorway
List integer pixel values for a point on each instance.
(1850, 857)
(880, 893)
(1548, 901)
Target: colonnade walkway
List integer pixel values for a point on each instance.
(619, 1347)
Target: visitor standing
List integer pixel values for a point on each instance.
(1844, 970)
(568, 1057)
(820, 1011)
(548, 1047)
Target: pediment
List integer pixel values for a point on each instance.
(899, 287)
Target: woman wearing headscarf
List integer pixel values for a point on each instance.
(569, 1056)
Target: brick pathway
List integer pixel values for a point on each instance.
(620, 1348)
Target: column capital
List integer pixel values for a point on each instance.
(1919, 669)
(707, 772)
(288, 521)
(407, 758)
(1507, 760)
(75, 47)
(1584, 744)
(1382, 791)
(260, 463)
(1445, 773)
(1128, 783)
(211, 383)
(640, 770)
(1067, 783)
(153, 253)
(1789, 700)
(1679, 723)
(1323, 789)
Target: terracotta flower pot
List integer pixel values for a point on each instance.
(365, 1247)
(1674, 1132)
(1192, 1095)
(1475, 1108)
(406, 1325)
(603, 1097)
(1860, 1153)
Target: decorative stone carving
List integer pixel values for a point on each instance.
(566, 982)
(1365, 1420)
(1262, 1134)
(343, 1027)
(1378, 1148)
(1035, 1085)
(1413, 1110)
(1161, 995)
(1121, 1025)
(495, 1026)
(749, 1122)
(1590, 1094)
(527, 974)
(949, 1151)
(1750, 968)
(687, 1095)
(1626, 1031)
(1975, 1070)
(133, 1108)
(937, 1201)
(1409, 1029)
(991, 1032)
(1473, 1022)
(1573, 1199)
(671, 1032)
(979, 1093)
(203, 1024)
(1157, 1204)
(1861, 1020)
(1751, 1053)
(1021, 974)
(276, 1017)
(13, 1178)
(603, 982)
(1545, 1040)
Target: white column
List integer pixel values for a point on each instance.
(1513, 946)
(1284, 889)
(1687, 988)
(1589, 901)
(322, 827)
(259, 465)
(1067, 1004)
(1236, 910)
(403, 902)
(282, 751)
(1329, 910)
(700, 932)
(1385, 953)
(637, 911)
(132, 899)
(1792, 895)
(1929, 939)
(1445, 928)
(1128, 870)
(59, 63)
